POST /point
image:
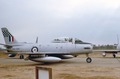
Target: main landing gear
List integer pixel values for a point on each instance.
(88, 60)
(21, 56)
(114, 54)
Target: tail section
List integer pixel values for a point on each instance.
(8, 37)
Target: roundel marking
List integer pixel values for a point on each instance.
(34, 49)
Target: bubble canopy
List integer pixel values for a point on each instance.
(66, 40)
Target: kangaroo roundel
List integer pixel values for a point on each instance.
(34, 49)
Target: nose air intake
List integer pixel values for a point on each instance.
(87, 48)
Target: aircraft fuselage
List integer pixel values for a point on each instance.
(53, 48)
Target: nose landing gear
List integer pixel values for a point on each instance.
(88, 60)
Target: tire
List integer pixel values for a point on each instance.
(34, 49)
(88, 60)
(104, 54)
(21, 56)
(114, 55)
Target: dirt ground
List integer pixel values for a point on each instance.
(76, 68)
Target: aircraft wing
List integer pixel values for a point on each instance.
(42, 53)
(107, 51)
(9, 45)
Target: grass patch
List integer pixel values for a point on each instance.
(3, 54)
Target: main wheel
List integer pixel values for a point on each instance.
(21, 56)
(104, 54)
(34, 49)
(88, 60)
(114, 55)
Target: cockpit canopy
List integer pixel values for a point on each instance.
(66, 40)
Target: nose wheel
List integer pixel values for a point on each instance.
(88, 60)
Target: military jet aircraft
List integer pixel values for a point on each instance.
(55, 51)
(111, 51)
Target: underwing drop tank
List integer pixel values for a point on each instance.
(46, 59)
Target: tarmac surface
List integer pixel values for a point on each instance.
(76, 68)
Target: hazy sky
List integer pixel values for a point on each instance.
(94, 21)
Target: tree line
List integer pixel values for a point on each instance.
(104, 46)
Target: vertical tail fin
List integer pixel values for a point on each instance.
(117, 40)
(8, 37)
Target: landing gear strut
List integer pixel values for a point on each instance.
(88, 60)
